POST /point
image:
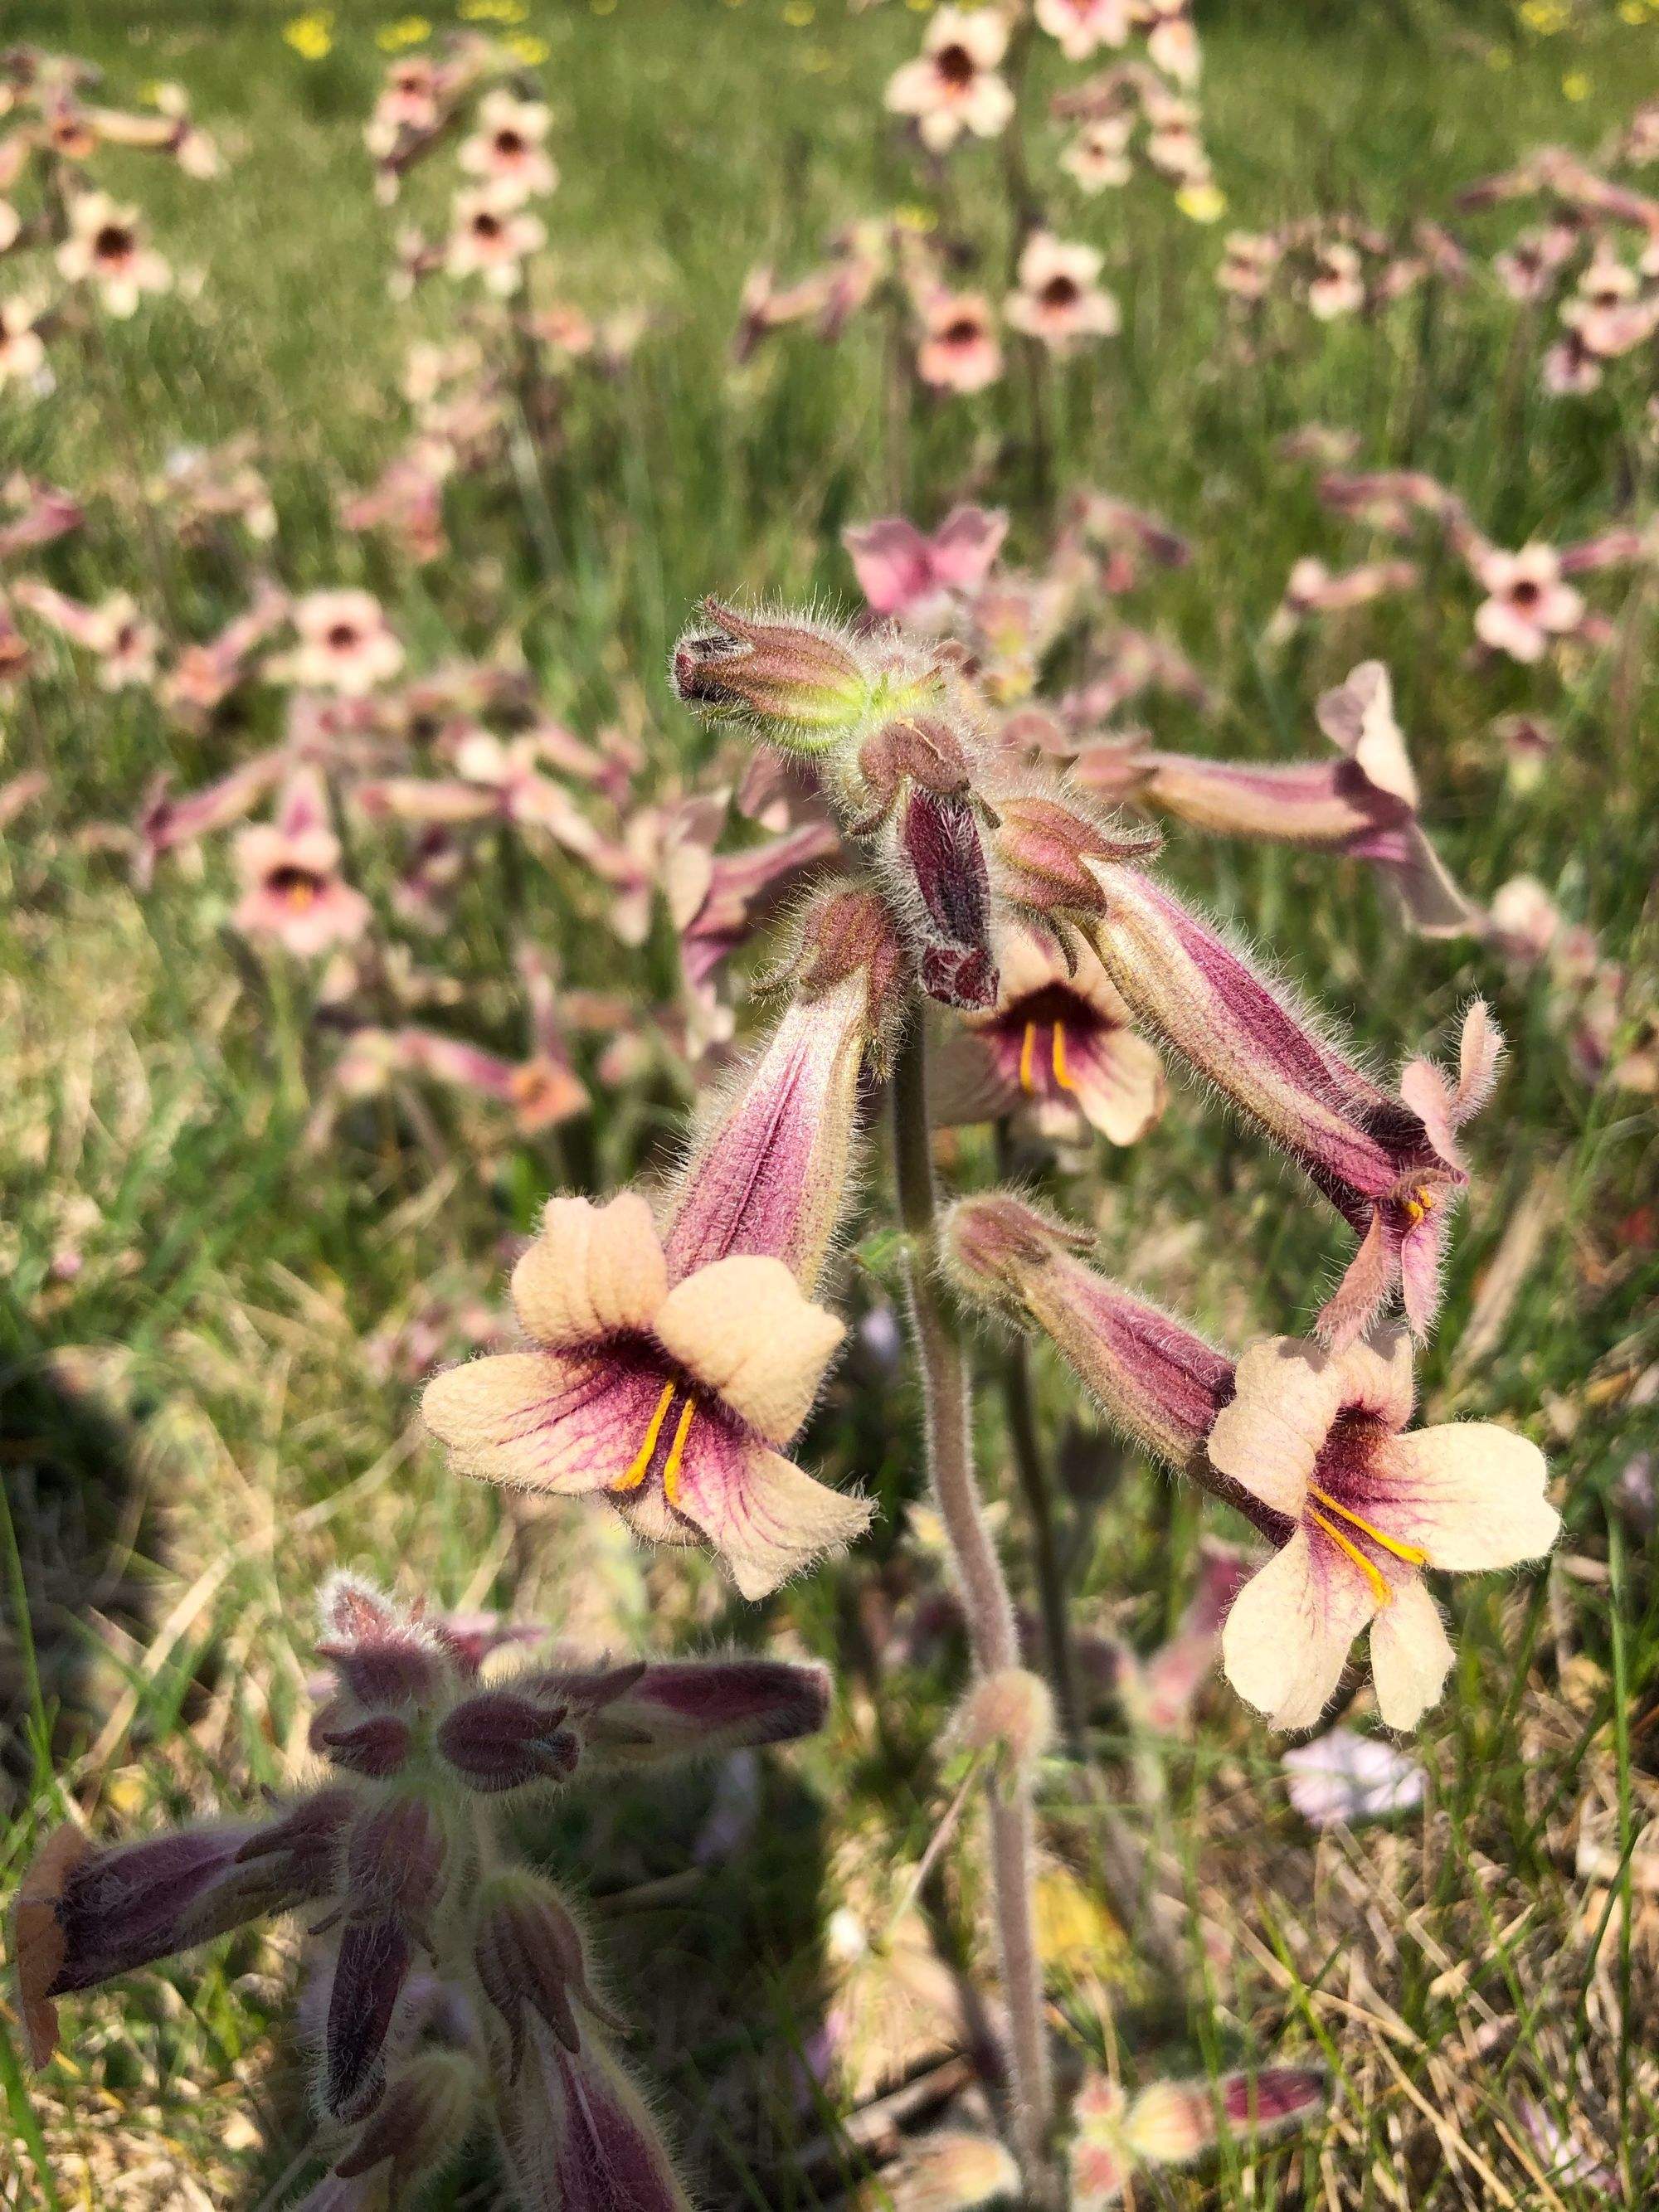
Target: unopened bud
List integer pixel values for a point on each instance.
(950, 2171)
(529, 1956)
(1041, 846)
(796, 683)
(994, 1243)
(499, 1741)
(848, 930)
(395, 1858)
(376, 1746)
(910, 749)
(939, 850)
(422, 2121)
(1010, 1714)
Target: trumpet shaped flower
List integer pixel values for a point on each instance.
(669, 1365)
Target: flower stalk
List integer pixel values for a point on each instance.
(986, 1604)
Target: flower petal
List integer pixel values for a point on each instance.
(1376, 1376)
(1411, 1655)
(594, 1270)
(762, 1514)
(1287, 1637)
(1470, 1494)
(742, 1327)
(1286, 1396)
(537, 1421)
(1118, 1080)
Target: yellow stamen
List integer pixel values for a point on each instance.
(1373, 1574)
(1060, 1075)
(1026, 1051)
(671, 1473)
(1408, 1553)
(636, 1474)
(1420, 1204)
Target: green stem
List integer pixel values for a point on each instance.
(988, 1607)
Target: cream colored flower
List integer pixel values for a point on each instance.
(953, 85)
(105, 248)
(1321, 1438)
(1059, 300)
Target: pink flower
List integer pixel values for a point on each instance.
(294, 893)
(1083, 25)
(507, 151)
(1099, 155)
(1171, 42)
(345, 643)
(1608, 314)
(953, 86)
(1060, 301)
(959, 350)
(105, 248)
(1337, 286)
(491, 235)
(1058, 1044)
(1311, 588)
(671, 1363)
(1391, 1164)
(123, 640)
(1170, 2123)
(1344, 1779)
(1529, 269)
(1249, 260)
(22, 352)
(1321, 1438)
(1527, 602)
(908, 577)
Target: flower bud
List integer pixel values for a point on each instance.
(376, 1746)
(396, 1857)
(910, 749)
(1041, 846)
(950, 2171)
(704, 1708)
(501, 1740)
(940, 856)
(1010, 1714)
(529, 1957)
(371, 1965)
(847, 931)
(421, 2123)
(798, 684)
(383, 1654)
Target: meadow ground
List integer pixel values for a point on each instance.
(213, 1324)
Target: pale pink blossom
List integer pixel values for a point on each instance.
(1344, 1779)
(123, 640)
(22, 353)
(1322, 1439)
(953, 85)
(1249, 260)
(1083, 25)
(1527, 602)
(908, 577)
(1608, 313)
(1337, 286)
(1098, 156)
(294, 893)
(1529, 268)
(507, 151)
(105, 248)
(1171, 41)
(345, 643)
(491, 237)
(1059, 300)
(960, 350)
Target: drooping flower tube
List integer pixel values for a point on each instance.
(1391, 1164)
(671, 1357)
(1311, 1445)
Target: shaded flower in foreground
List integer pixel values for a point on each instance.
(671, 1361)
(1311, 1445)
(455, 1984)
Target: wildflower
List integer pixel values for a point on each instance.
(1322, 1439)
(1098, 157)
(1337, 286)
(105, 248)
(672, 1361)
(1365, 805)
(491, 235)
(953, 86)
(1083, 25)
(1172, 2122)
(507, 151)
(959, 350)
(1343, 1779)
(311, 35)
(123, 642)
(1059, 299)
(293, 890)
(1057, 1043)
(910, 577)
(409, 99)
(23, 351)
(1311, 588)
(345, 643)
(1528, 267)
(1172, 42)
(1390, 1164)
(1249, 260)
(1527, 601)
(1608, 314)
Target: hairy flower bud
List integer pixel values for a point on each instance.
(847, 931)
(796, 682)
(501, 1740)
(529, 1957)
(421, 2122)
(375, 1746)
(1010, 1714)
(940, 851)
(1041, 846)
(698, 1708)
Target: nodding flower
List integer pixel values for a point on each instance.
(1311, 1445)
(671, 1356)
(1390, 1163)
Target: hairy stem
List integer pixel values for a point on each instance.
(989, 1610)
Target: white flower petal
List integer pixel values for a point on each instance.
(1471, 1494)
(1286, 1397)
(1287, 1637)
(593, 1271)
(743, 1328)
(1411, 1655)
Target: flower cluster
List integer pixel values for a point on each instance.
(454, 1987)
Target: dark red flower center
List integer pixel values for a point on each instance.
(956, 66)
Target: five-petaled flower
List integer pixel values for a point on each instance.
(953, 85)
(1322, 1439)
(670, 1364)
(1528, 602)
